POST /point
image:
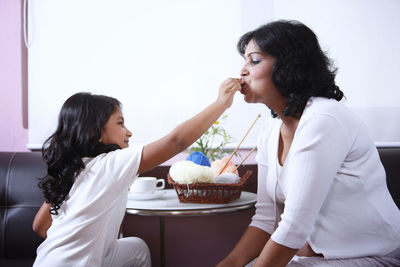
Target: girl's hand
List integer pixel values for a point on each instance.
(227, 91)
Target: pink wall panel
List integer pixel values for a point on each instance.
(13, 135)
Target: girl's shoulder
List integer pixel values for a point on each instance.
(117, 158)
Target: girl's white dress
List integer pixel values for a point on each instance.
(85, 231)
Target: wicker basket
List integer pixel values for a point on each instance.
(209, 192)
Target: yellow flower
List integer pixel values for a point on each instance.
(216, 122)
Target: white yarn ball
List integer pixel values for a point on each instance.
(226, 178)
(188, 172)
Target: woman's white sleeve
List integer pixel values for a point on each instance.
(264, 217)
(316, 154)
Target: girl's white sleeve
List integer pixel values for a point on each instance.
(316, 154)
(122, 165)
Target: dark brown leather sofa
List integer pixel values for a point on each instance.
(189, 241)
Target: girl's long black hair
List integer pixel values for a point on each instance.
(80, 124)
(301, 68)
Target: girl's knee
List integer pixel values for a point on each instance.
(138, 242)
(135, 250)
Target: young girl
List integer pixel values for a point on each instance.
(90, 168)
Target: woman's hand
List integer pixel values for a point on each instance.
(227, 90)
(249, 247)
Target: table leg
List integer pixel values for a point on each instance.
(162, 241)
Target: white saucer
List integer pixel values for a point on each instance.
(146, 196)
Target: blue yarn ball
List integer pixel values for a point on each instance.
(199, 158)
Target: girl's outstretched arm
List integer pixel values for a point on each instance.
(42, 221)
(189, 131)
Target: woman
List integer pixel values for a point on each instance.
(322, 194)
(90, 168)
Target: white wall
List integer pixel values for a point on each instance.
(165, 59)
(362, 37)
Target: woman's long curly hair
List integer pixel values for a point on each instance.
(80, 124)
(301, 68)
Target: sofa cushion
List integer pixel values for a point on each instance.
(20, 199)
(16, 262)
(390, 157)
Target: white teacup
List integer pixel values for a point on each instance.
(147, 185)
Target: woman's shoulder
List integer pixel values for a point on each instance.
(317, 106)
(328, 115)
(323, 104)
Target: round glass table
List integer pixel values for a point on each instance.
(166, 203)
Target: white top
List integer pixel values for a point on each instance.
(333, 183)
(88, 221)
